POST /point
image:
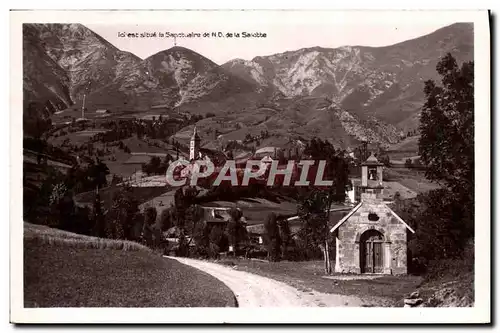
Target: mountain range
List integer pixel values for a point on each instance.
(385, 82)
(346, 93)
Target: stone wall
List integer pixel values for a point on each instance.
(349, 233)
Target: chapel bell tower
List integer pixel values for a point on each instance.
(371, 177)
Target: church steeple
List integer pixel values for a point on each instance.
(194, 146)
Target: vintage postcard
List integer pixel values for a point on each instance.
(250, 166)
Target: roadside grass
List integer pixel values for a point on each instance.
(43, 235)
(62, 269)
(309, 275)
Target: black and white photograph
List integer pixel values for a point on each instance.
(332, 165)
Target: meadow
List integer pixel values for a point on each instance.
(62, 269)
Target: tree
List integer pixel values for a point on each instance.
(165, 164)
(148, 227)
(98, 218)
(155, 166)
(442, 224)
(361, 152)
(97, 172)
(408, 163)
(62, 207)
(314, 204)
(217, 241)
(443, 219)
(446, 142)
(124, 216)
(236, 230)
(281, 157)
(35, 120)
(312, 209)
(150, 215)
(184, 197)
(285, 236)
(166, 220)
(383, 157)
(194, 215)
(272, 237)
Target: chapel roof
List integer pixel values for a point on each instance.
(372, 160)
(345, 218)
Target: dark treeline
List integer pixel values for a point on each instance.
(161, 128)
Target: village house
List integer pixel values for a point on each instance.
(371, 238)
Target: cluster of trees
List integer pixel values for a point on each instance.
(311, 241)
(233, 144)
(210, 240)
(36, 121)
(43, 148)
(278, 238)
(361, 153)
(123, 147)
(412, 133)
(384, 159)
(156, 128)
(336, 169)
(257, 138)
(81, 178)
(156, 166)
(443, 219)
(415, 163)
(52, 202)
(195, 236)
(313, 210)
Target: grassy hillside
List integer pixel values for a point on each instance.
(413, 179)
(142, 194)
(62, 269)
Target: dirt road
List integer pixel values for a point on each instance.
(257, 291)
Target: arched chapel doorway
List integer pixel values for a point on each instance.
(371, 252)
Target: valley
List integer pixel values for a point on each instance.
(102, 129)
(348, 95)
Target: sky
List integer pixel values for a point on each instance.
(285, 31)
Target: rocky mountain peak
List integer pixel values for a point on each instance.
(383, 82)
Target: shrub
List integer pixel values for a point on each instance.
(444, 225)
(272, 237)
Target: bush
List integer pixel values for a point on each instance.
(444, 226)
(272, 237)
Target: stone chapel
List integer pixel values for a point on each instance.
(371, 238)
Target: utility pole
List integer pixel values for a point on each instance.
(84, 95)
(83, 107)
(328, 266)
